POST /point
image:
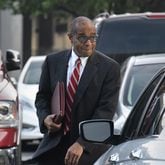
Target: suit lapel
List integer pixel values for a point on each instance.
(87, 76)
(62, 67)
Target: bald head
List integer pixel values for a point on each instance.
(78, 22)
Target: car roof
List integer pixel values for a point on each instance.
(148, 59)
(129, 16)
(148, 15)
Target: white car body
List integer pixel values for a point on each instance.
(27, 88)
(136, 73)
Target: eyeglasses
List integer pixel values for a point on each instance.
(84, 39)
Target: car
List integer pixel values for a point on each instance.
(27, 88)
(100, 17)
(136, 73)
(149, 150)
(10, 114)
(146, 121)
(123, 35)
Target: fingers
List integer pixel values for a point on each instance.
(72, 160)
(54, 127)
(73, 154)
(75, 160)
(51, 126)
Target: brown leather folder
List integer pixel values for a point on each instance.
(58, 102)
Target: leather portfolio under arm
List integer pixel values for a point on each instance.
(58, 102)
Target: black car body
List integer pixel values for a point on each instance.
(121, 36)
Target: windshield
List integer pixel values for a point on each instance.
(131, 36)
(33, 73)
(122, 38)
(138, 78)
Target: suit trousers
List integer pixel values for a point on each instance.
(56, 155)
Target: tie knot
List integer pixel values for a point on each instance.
(78, 61)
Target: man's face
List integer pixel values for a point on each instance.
(84, 41)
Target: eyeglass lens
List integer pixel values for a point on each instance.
(84, 39)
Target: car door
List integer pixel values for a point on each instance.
(147, 115)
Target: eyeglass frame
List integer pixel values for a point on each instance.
(86, 38)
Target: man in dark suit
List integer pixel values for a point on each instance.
(95, 98)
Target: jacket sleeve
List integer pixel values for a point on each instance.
(43, 96)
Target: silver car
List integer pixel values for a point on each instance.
(27, 88)
(149, 150)
(136, 73)
(142, 138)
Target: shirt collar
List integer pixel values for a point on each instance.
(74, 57)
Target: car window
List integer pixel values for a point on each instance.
(130, 37)
(138, 78)
(33, 73)
(136, 119)
(153, 120)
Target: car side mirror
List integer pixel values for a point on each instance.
(12, 60)
(96, 130)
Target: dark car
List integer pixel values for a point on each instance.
(10, 116)
(121, 36)
(146, 119)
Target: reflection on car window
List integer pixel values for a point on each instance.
(154, 119)
(33, 73)
(138, 80)
(137, 121)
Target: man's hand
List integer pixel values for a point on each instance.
(73, 154)
(51, 125)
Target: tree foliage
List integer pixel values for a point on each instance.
(75, 8)
(43, 7)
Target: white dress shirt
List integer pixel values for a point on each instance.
(71, 64)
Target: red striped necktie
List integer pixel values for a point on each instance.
(71, 90)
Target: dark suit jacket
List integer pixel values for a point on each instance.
(96, 95)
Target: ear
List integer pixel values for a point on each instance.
(70, 36)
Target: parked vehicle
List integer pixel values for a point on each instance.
(121, 36)
(10, 115)
(146, 120)
(27, 88)
(149, 150)
(136, 71)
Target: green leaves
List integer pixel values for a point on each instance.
(75, 8)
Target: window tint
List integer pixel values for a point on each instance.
(141, 110)
(33, 73)
(129, 37)
(137, 81)
(154, 119)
